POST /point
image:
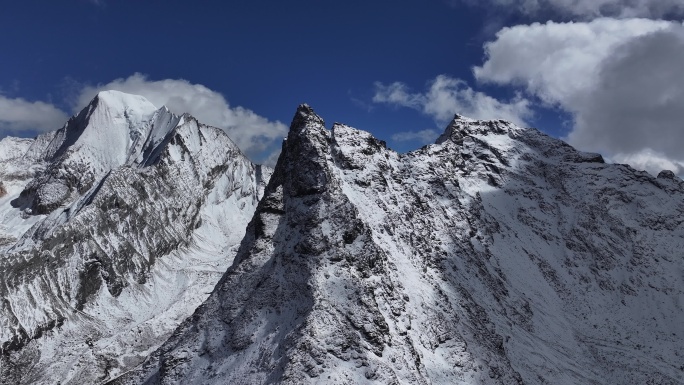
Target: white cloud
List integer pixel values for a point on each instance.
(423, 136)
(397, 93)
(256, 136)
(558, 61)
(585, 9)
(18, 115)
(619, 79)
(448, 96)
(647, 159)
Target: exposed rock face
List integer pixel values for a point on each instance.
(122, 225)
(666, 174)
(498, 255)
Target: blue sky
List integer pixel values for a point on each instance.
(399, 69)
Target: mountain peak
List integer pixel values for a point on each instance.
(462, 126)
(117, 103)
(305, 117)
(109, 126)
(114, 129)
(114, 96)
(306, 150)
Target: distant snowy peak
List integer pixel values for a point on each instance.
(113, 230)
(108, 130)
(114, 130)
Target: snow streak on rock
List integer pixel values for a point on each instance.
(498, 255)
(113, 230)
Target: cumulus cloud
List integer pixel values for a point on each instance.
(17, 115)
(256, 136)
(422, 136)
(585, 9)
(619, 79)
(648, 159)
(448, 96)
(558, 61)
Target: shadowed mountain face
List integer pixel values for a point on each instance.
(113, 230)
(498, 255)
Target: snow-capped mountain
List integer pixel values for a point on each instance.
(498, 255)
(113, 229)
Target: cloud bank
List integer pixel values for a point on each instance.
(18, 115)
(585, 9)
(619, 79)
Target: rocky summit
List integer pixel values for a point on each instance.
(497, 255)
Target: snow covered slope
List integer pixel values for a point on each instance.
(498, 255)
(114, 228)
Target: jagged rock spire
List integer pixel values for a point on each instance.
(306, 117)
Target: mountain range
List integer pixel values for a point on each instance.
(141, 247)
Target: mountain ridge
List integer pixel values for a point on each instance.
(497, 256)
